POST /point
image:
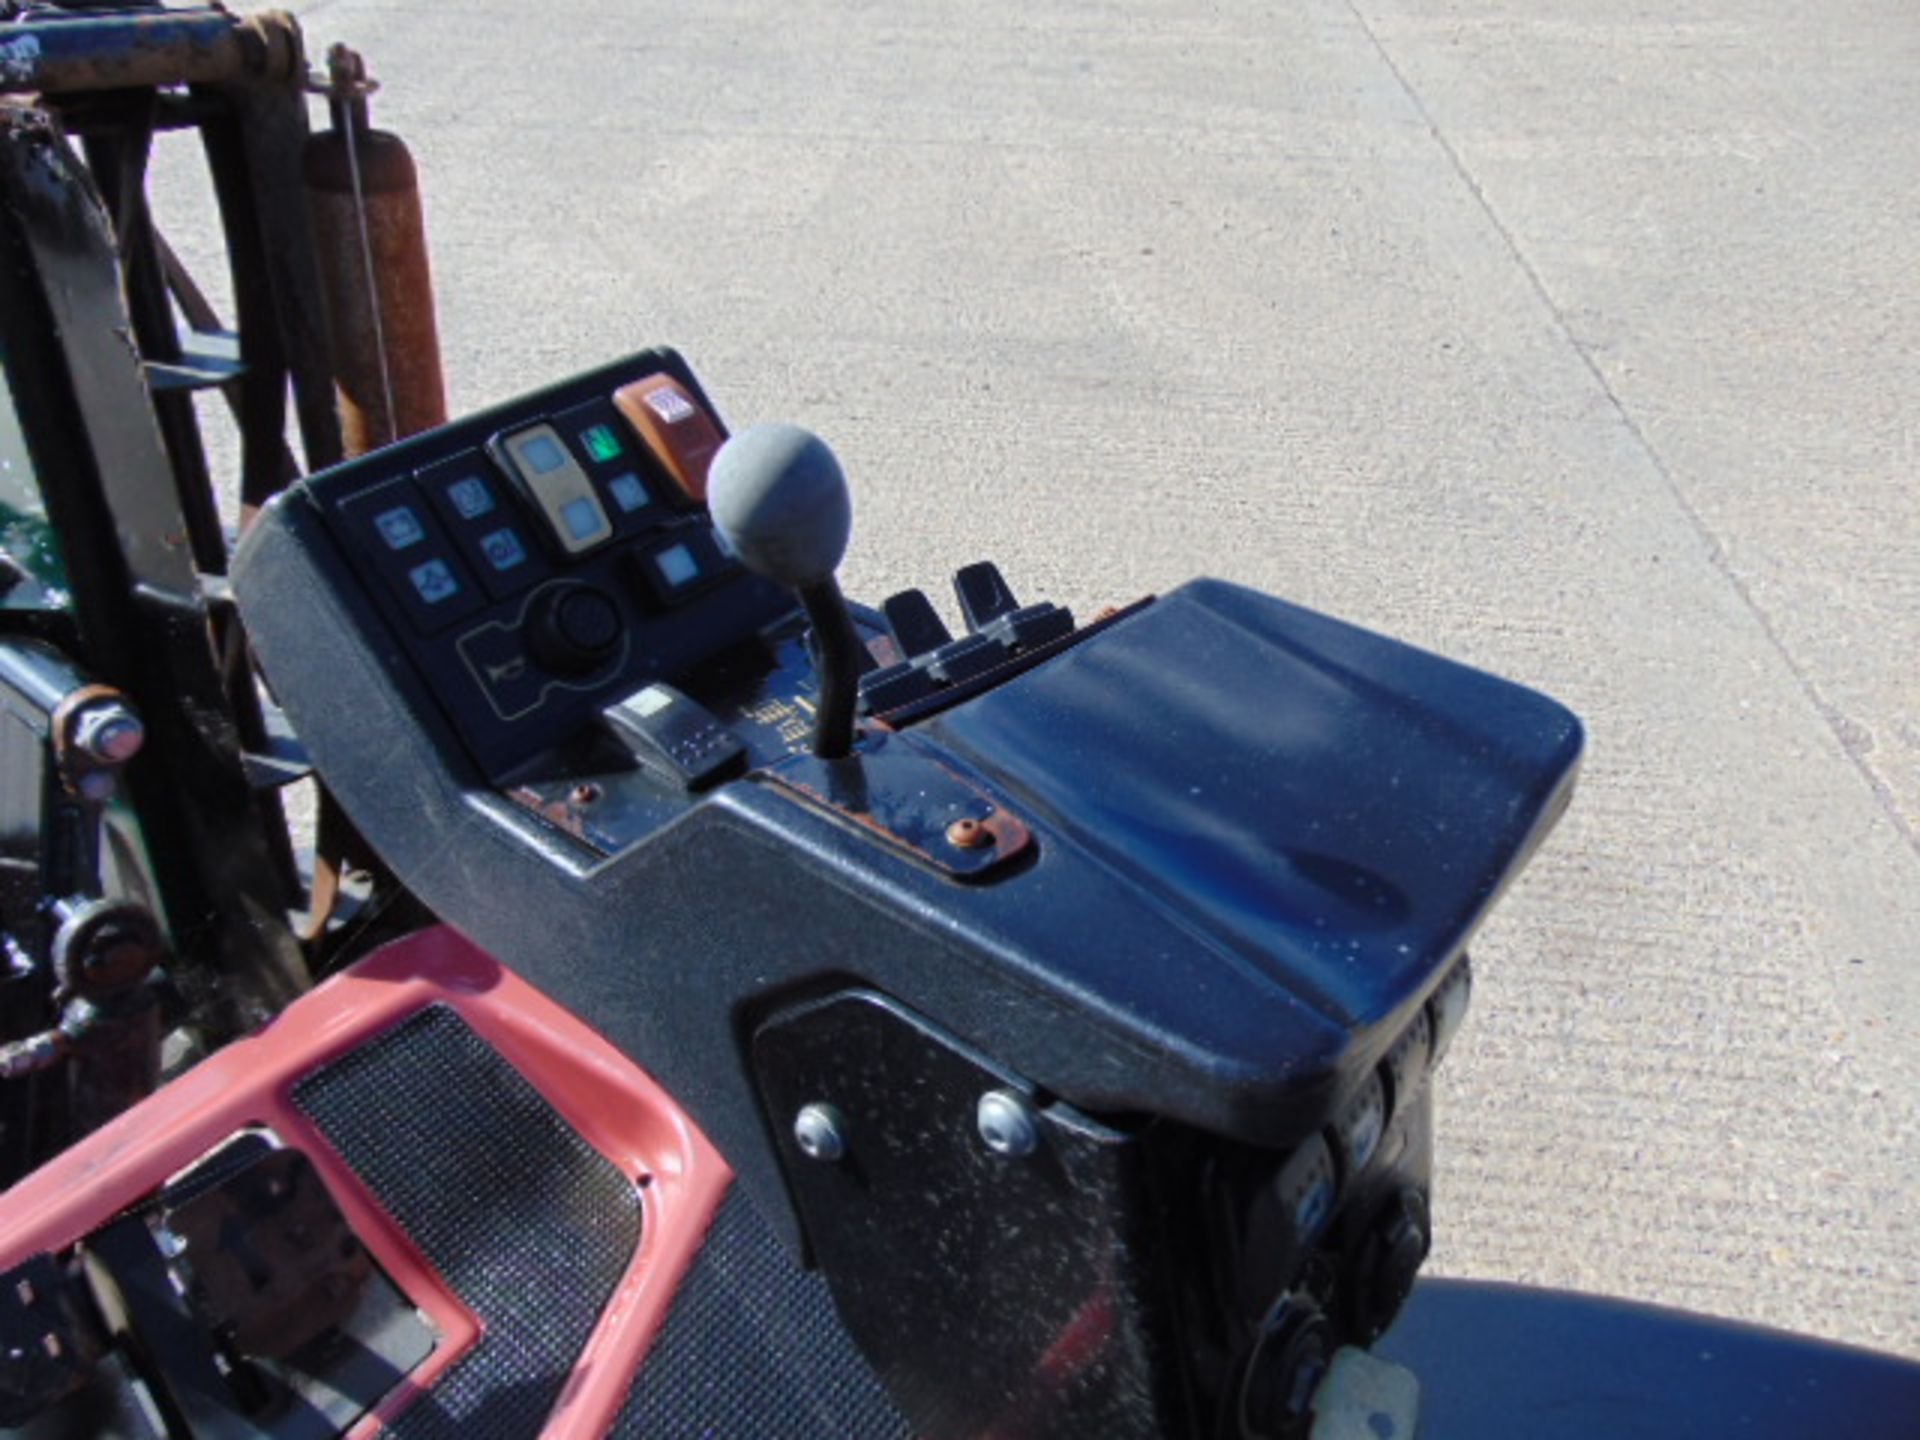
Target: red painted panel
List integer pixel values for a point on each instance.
(613, 1104)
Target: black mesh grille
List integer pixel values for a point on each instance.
(530, 1226)
(753, 1350)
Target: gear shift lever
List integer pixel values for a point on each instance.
(779, 499)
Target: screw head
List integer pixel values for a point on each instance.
(821, 1133)
(1007, 1124)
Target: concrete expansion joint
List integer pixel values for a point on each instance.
(1854, 739)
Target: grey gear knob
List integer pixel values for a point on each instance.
(779, 499)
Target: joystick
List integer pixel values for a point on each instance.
(779, 499)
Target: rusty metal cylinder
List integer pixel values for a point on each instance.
(371, 240)
(55, 53)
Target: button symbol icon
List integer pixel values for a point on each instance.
(399, 527)
(601, 442)
(470, 497)
(434, 581)
(503, 548)
(628, 493)
(670, 405)
(506, 673)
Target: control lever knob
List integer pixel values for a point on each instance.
(779, 500)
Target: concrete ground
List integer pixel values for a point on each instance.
(1575, 341)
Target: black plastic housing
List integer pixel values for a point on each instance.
(1260, 837)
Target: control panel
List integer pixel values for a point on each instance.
(549, 578)
(550, 558)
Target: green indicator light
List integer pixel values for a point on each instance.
(601, 442)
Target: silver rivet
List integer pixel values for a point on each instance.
(1007, 1124)
(821, 1133)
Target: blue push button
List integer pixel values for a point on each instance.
(400, 527)
(673, 568)
(470, 497)
(542, 454)
(434, 582)
(465, 490)
(503, 548)
(583, 518)
(628, 493)
(677, 566)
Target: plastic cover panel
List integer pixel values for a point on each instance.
(529, 1225)
(1332, 810)
(754, 1347)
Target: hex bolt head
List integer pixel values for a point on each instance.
(109, 732)
(1008, 1124)
(821, 1133)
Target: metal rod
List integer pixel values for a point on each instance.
(837, 659)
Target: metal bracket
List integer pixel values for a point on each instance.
(997, 1289)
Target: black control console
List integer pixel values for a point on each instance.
(1066, 991)
(543, 560)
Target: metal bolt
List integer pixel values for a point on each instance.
(109, 732)
(968, 834)
(1007, 1124)
(585, 793)
(821, 1133)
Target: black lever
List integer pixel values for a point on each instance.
(916, 625)
(983, 594)
(779, 499)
